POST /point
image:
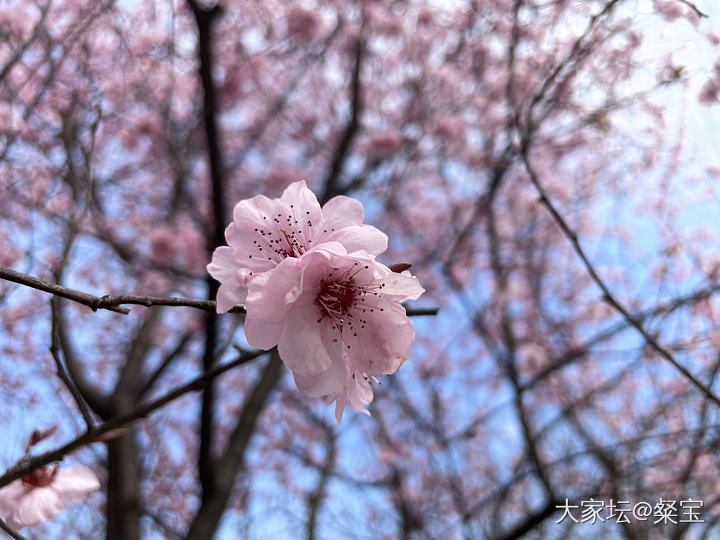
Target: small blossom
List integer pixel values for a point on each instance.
(450, 128)
(267, 231)
(304, 24)
(709, 92)
(384, 145)
(44, 493)
(336, 319)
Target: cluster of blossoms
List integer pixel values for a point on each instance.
(311, 286)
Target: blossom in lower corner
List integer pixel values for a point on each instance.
(44, 493)
(336, 319)
(264, 232)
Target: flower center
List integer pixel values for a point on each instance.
(336, 298)
(40, 477)
(346, 302)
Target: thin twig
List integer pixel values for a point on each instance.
(113, 302)
(12, 533)
(62, 372)
(607, 295)
(26, 466)
(177, 350)
(92, 301)
(353, 125)
(694, 8)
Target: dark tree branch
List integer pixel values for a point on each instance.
(167, 360)
(317, 496)
(38, 29)
(12, 533)
(607, 295)
(113, 302)
(205, 17)
(351, 129)
(695, 9)
(92, 301)
(507, 355)
(127, 384)
(62, 372)
(569, 66)
(531, 522)
(211, 510)
(92, 395)
(26, 466)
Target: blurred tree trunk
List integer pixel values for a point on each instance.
(123, 510)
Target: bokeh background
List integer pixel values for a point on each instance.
(549, 167)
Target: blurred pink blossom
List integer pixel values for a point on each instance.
(450, 127)
(384, 144)
(44, 493)
(669, 9)
(709, 92)
(303, 24)
(162, 242)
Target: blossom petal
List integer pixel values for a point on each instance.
(384, 343)
(360, 391)
(403, 286)
(305, 345)
(263, 334)
(340, 400)
(243, 237)
(256, 210)
(223, 265)
(230, 295)
(9, 495)
(359, 237)
(303, 205)
(342, 211)
(330, 381)
(38, 505)
(75, 483)
(267, 293)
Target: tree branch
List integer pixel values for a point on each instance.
(205, 18)
(12, 533)
(26, 466)
(113, 302)
(695, 9)
(607, 295)
(92, 395)
(341, 153)
(208, 517)
(62, 372)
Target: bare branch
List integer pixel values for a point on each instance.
(167, 360)
(12, 533)
(208, 517)
(26, 466)
(351, 129)
(37, 30)
(62, 373)
(113, 302)
(607, 295)
(93, 302)
(694, 8)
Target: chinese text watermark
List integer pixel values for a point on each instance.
(661, 512)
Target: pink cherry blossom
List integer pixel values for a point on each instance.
(384, 144)
(44, 493)
(304, 24)
(267, 231)
(336, 319)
